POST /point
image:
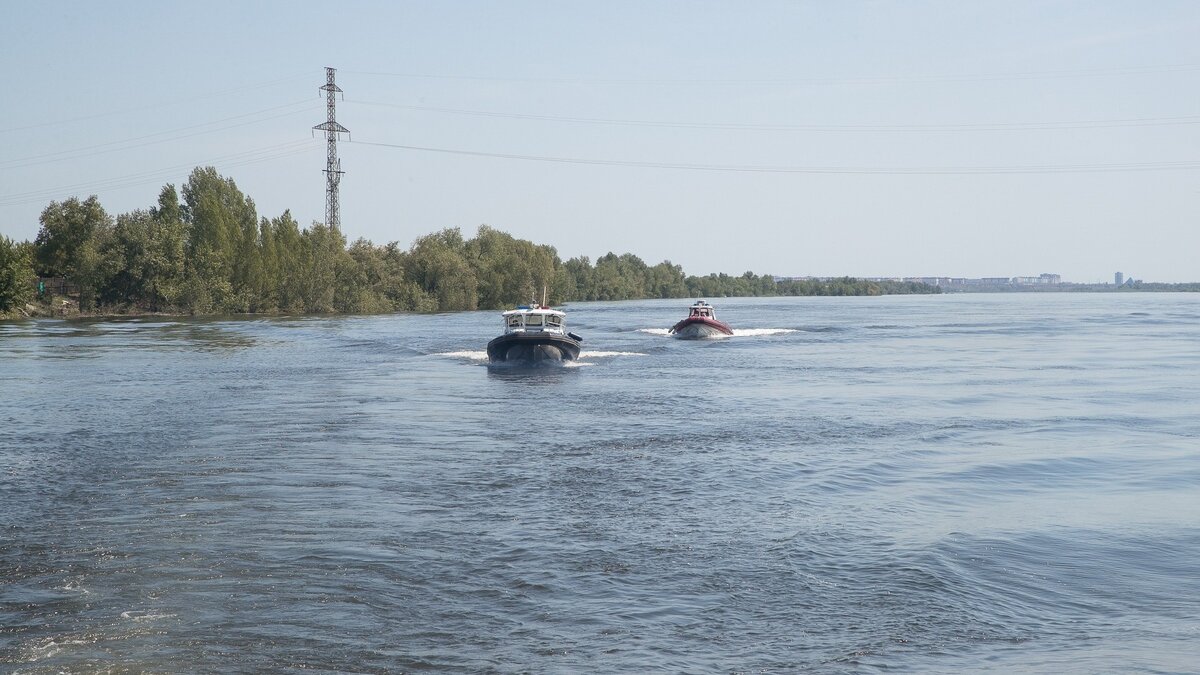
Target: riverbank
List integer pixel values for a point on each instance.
(203, 250)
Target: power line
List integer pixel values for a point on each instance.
(155, 106)
(892, 171)
(923, 128)
(243, 158)
(805, 81)
(78, 153)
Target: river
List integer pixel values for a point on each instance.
(948, 483)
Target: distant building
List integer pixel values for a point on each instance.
(1118, 278)
(1040, 280)
(958, 283)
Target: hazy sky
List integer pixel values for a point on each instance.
(796, 138)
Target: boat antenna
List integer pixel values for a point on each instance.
(543, 295)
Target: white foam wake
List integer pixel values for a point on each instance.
(755, 332)
(584, 355)
(655, 331)
(468, 355)
(144, 616)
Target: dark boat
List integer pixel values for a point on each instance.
(532, 335)
(701, 323)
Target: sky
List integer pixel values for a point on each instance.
(917, 138)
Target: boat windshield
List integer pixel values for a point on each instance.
(533, 320)
(553, 320)
(514, 321)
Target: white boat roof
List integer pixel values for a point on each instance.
(534, 310)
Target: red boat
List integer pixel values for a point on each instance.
(701, 323)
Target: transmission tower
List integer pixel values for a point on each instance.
(333, 165)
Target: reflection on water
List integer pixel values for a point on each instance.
(89, 338)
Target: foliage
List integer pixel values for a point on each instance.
(148, 263)
(16, 275)
(68, 229)
(68, 244)
(204, 250)
(1142, 286)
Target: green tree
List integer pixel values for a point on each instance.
(268, 292)
(440, 268)
(68, 229)
(400, 286)
(144, 260)
(16, 275)
(167, 266)
(371, 278)
(328, 276)
(222, 230)
(512, 271)
(665, 280)
(168, 209)
(71, 244)
(247, 270)
(579, 274)
(288, 258)
(209, 252)
(620, 277)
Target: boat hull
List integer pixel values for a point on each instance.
(521, 348)
(694, 328)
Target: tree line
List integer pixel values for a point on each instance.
(203, 249)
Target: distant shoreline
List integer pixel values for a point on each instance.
(1143, 287)
(69, 310)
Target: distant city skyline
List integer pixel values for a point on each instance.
(1043, 279)
(828, 139)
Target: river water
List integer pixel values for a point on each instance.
(920, 483)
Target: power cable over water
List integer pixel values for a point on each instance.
(805, 81)
(159, 137)
(921, 128)
(155, 106)
(858, 170)
(246, 157)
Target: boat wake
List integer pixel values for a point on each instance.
(480, 355)
(737, 332)
(134, 615)
(756, 332)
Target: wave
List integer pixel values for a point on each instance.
(134, 615)
(481, 355)
(737, 332)
(758, 332)
(471, 355)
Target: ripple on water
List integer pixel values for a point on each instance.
(913, 484)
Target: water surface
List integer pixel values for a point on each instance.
(925, 483)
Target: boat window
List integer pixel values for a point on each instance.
(533, 320)
(514, 321)
(553, 320)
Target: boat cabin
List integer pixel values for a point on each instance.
(702, 310)
(525, 319)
